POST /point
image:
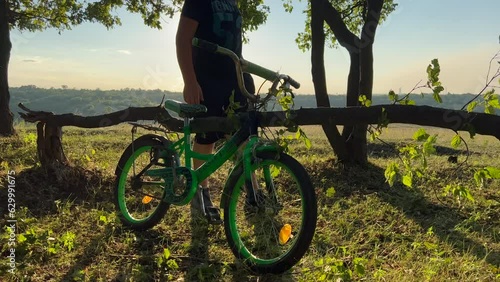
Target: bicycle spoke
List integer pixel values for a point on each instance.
(139, 196)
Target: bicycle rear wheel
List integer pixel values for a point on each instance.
(138, 195)
(272, 234)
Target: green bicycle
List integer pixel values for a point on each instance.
(268, 202)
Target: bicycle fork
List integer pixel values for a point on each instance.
(252, 186)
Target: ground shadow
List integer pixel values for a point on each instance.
(389, 150)
(39, 188)
(441, 217)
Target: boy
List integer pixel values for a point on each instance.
(209, 79)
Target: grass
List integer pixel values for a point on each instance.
(67, 228)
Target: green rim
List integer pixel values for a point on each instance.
(121, 188)
(243, 250)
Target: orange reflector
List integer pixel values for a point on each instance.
(146, 200)
(285, 234)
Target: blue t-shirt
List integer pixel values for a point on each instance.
(219, 21)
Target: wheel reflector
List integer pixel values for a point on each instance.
(146, 200)
(285, 234)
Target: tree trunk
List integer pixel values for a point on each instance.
(357, 143)
(6, 116)
(352, 97)
(319, 79)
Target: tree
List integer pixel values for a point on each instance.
(344, 20)
(33, 16)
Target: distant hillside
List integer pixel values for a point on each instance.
(85, 101)
(94, 102)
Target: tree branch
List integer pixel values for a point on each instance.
(345, 37)
(372, 20)
(130, 114)
(479, 123)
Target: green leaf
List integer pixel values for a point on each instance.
(275, 171)
(493, 172)
(103, 218)
(480, 177)
(166, 253)
(408, 180)
(52, 250)
(472, 106)
(437, 97)
(468, 195)
(456, 141)
(21, 238)
(433, 71)
(489, 109)
(308, 143)
(493, 102)
(428, 146)
(364, 101)
(393, 96)
(172, 264)
(359, 267)
(430, 231)
(391, 173)
(408, 102)
(430, 246)
(420, 135)
(462, 192)
(330, 192)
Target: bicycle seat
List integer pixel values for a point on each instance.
(185, 110)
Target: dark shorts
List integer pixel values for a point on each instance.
(216, 96)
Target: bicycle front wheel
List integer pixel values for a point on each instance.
(272, 232)
(138, 195)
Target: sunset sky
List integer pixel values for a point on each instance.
(463, 35)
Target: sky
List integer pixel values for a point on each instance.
(463, 35)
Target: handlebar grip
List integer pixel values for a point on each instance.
(205, 45)
(293, 82)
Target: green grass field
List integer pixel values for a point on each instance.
(67, 229)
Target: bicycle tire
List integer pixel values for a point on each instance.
(265, 253)
(150, 210)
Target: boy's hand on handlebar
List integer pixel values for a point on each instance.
(192, 93)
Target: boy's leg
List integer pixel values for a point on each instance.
(202, 149)
(202, 201)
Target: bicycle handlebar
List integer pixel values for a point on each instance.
(245, 66)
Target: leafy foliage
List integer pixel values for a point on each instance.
(433, 71)
(410, 153)
(482, 175)
(285, 100)
(254, 13)
(352, 12)
(490, 100)
(433, 84)
(63, 14)
(414, 158)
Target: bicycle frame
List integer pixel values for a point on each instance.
(214, 161)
